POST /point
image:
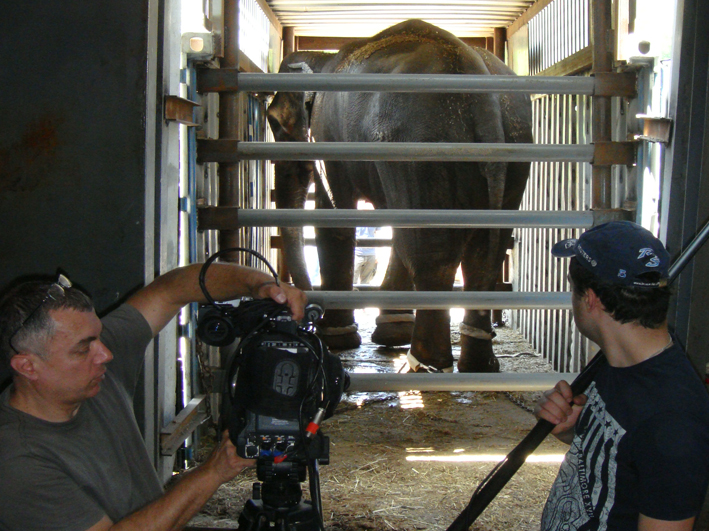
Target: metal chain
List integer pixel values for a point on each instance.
(519, 402)
(206, 376)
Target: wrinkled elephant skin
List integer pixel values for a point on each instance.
(422, 259)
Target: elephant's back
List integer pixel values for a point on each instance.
(411, 47)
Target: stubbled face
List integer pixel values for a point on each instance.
(74, 362)
(584, 322)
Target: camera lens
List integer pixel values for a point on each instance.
(216, 330)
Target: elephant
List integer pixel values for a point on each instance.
(424, 259)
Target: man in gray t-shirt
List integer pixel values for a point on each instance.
(71, 454)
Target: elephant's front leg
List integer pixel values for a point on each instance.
(336, 254)
(395, 327)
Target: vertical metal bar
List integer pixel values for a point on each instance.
(576, 17)
(602, 62)
(556, 24)
(229, 121)
(545, 37)
(532, 51)
(553, 233)
(549, 205)
(289, 43)
(564, 233)
(556, 190)
(546, 14)
(500, 37)
(535, 315)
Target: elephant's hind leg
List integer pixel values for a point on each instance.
(481, 263)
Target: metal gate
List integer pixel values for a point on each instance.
(563, 133)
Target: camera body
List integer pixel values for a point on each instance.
(280, 380)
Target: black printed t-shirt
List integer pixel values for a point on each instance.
(641, 446)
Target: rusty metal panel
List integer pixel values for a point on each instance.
(179, 110)
(73, 168)
(616, 84)
(609, 153)
(655, 128)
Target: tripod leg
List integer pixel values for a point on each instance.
(314, 476)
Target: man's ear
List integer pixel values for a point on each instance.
(592, 301)
(25, 364)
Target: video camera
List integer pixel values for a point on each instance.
(281, 383)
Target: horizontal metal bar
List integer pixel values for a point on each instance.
(234, 151)
(440, 300)
(174, 434)
(228, 218)
(277, 242)
(372, 382)
(229, 80)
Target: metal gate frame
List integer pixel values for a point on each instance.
(601, 87)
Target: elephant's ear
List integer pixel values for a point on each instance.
(289, 112)
(303, 68)
(288, 117)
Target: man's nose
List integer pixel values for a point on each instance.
(104, 355)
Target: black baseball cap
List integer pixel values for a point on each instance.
(620, 252)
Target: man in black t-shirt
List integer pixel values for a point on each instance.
(639, 435)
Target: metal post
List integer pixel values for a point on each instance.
(602, 63)
(229, 122)
(500, 40)
(288, 40)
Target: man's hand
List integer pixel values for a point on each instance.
(224, 461)
(560, 407)
(178, 505)
(284, 294)
(160, 300)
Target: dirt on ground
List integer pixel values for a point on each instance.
(411, 461)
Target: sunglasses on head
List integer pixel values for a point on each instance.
(54, 292)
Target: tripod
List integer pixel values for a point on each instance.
(278, 500)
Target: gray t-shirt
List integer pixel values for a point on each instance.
(68, 475)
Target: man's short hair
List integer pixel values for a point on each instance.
(19, 303)
(626, 304)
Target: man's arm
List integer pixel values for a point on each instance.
(560, 407)
(160, 300)
(178, 505)
(645, 523)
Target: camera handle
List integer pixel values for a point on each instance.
(208, 262)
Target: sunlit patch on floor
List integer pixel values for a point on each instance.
(411, 400)
(483, 458)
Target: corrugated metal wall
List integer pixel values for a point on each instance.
(558, 119)
(556, 33)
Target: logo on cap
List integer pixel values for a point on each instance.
(654, 262)
(646, 251)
